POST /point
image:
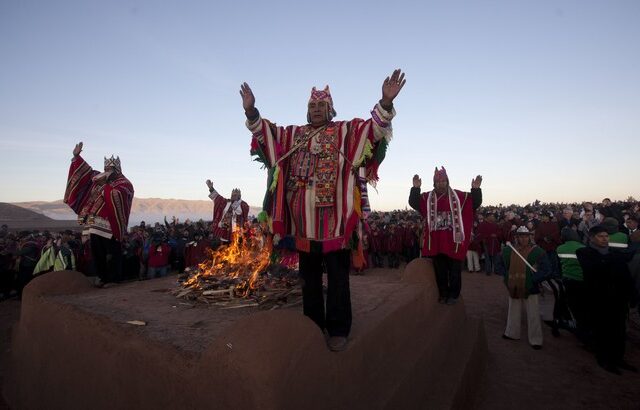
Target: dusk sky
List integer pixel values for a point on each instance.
(542, 98)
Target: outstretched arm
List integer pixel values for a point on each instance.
(249, 102)
(476, 192)
(414, 195)
(383, 112)
(268, 140)
(77, 150)
(391, 88)
(212, 192)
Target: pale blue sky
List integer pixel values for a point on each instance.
(540, 97)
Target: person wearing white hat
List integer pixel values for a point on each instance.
(523, 266)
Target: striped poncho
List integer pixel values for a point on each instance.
(95, 202)
(313, 191)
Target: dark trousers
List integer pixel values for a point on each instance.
(337, 320)
(107, 258)
(7, 282)
(490, 262)
(393, 260)
(561, 313)
(448, 275)
(130, 267)
(555, 263)
(25, 274)
(610, 329)
(576, 299)
(378, 259)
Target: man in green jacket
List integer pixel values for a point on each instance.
(523, 266)
(618, 241)
(573, 280)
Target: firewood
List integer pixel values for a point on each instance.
(240, 306)
(218, 292)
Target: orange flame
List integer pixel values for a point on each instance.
(243, 260)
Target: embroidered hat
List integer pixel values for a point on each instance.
(322, 95)
(235, 191)
(112, 162)
(439, 174)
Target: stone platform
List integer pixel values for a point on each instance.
(72, 349)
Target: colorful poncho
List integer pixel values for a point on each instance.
(448, 222)
(227, 216)
(519, 279)
(313, 189)
(110, 201)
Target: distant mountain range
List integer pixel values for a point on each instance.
(150, 210)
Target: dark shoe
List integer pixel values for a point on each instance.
(628, 367)
(536, 347)
(555, 332)
(452, 301)
(337, 343)
(507, 337)
(442, 300)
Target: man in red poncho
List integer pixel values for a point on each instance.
(229, 215)
(102, 201)
(314, 192)
(448, 216)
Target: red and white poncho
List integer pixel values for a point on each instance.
(448, 219)
(103, 208)
(227, 216)
(313, 185)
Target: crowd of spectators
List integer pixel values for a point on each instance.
(387, 239)
(148, 251)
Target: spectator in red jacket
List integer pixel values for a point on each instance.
(196, 250)
(489, 233)
(376, 245)
(158, 262)
(547, 236)
(394, 244)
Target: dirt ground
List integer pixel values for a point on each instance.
(561, 375)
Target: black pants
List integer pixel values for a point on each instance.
(448, 275)
(25, 274)
(107, 258)
(577, 301)
(130, 267)
(393, 260)
(378, 259)
(610, 330)
(337, 320)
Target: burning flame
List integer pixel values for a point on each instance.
(242, 261)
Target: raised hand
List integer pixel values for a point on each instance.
(391, 86)
(209, 184)
(475, 183)
(78, 149)
(248, 99)
(417, 182)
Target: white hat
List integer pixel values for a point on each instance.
(523, 231)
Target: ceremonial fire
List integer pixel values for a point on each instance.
(242, 273)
